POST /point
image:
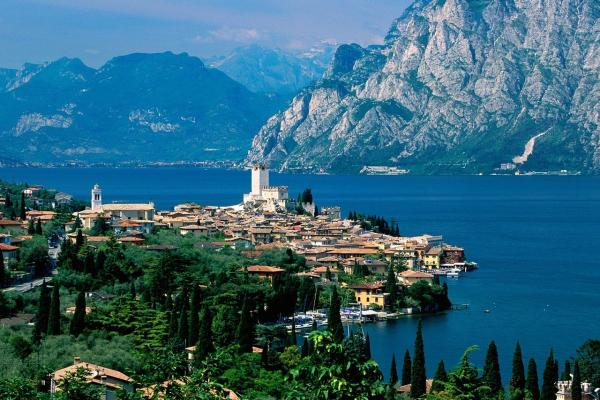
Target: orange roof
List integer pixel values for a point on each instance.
(126, 222)
(415, 274)
(370, 286)
(130, 239)
(353, 251)
(264, 269)
(9, 222)
(321, 269)
(96, 371)
(7, 247)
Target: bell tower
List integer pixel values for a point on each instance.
(96, 197)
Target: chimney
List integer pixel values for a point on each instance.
(76, 360)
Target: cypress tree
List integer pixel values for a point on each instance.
(406, 368)
(78, 322)
(194, 316)
(54, 316)
(440, 378)
(89, 264)
(305, 350)
(566, 375)
(294, 339)
(245, 329)
(367, 350)
(43, 313)
(132, 291)
(576, 384)
(172, 314)
(38, 227)
(30, 228)
(2, 271)
(314, 326)
(334, 320)
(491, 370)
(204, 346)
(517, 380)
(393, 372)
(391, 287)
(23, 214)
(183, 327)
(78, 240)
(548, 389)
(418, 381)
(532, 388)
(264, 357)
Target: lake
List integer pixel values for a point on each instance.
(536, 240)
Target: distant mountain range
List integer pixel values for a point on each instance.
(138, 107)
(267, 70)
(459, 86)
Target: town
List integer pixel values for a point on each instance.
(271, 281)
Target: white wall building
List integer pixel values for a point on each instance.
(262, 192)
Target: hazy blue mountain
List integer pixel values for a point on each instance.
(267, 70)
(138, 107)
(459, 86)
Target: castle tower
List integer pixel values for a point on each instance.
(96, 197)
(260, 179)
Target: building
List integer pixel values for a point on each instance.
(111, 381)
(261, 192)
(433, 258)
(564, 390)
(264, 271)
(409, 277)
(369, 293)
(114, 211)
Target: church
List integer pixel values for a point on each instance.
(114, 212)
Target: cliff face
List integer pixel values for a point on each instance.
(458, 87)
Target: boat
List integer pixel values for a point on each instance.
(453, 272)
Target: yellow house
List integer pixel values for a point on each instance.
(433, 257)
(369, 293)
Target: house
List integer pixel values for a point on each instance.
(369, 293)
(453, 256)
(12, 225)
(402, 389)
(62, 199)
(376, 267)
(131, 240)
(264, 271)
(322, 272)
(261, 235)
(433, 258)
(111, 381)
(409, 277)
(195, 230)
(8, 251)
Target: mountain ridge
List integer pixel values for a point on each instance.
(457, 87)
(137, 107)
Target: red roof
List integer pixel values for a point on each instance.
(7, 247)
(264, 269)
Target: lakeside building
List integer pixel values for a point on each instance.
(271, 197)
(370, 293)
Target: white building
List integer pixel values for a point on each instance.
(261, 192)
(114, 211)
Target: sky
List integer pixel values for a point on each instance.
(96, 30)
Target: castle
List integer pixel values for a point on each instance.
(261, 193)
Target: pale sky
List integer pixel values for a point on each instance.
(96, 30)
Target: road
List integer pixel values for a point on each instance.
(53, 253)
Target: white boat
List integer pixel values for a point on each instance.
(453, 273)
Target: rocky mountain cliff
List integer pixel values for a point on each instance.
(138, 107)
(267, 70)
(458, 87)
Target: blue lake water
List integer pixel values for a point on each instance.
(536, 240)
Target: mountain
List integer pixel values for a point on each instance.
(267, 70)
(138, 107)
(457, 87)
